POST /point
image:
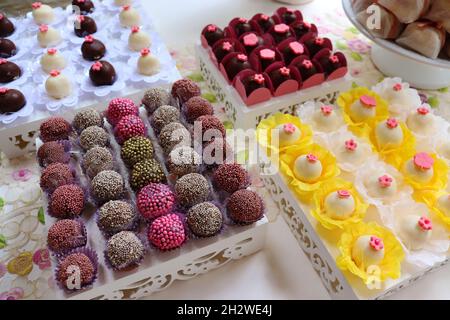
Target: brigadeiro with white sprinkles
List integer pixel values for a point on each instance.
(124, 250)
(107, 185)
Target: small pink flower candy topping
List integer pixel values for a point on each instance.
(258, 78)
(368, 101)
(242, 57)
(55, 73)
(397, 87)
(267, 54)
(3, 61)
(80, 1)
(296, 47)
(392, 123)
(1, 16)
(250, 39)
(351, 145)
(307, 64)
(89, 39)
(334, 59)
(80, 18)
(281, 28)
(307, 24)
(36, 5)
(423, 111)
(326, 110)
(425, 223)
(376, 243)
(97, 66)
(52, 51)
(227, 46)
(135, 29)
(319, 41)
(43, 28)
(211, 28)
(311, 158)
(127, 7)
(423, 161)
(3, 90)
(343, 194)
(264, 17)
(145, 52)
(285, 71)
(289, 128)
(242, 20)
(385, 181)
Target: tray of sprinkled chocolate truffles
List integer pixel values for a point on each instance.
(61, 60)
(270, 64)
(134, 201)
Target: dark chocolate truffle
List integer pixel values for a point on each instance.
(87, 118)
(155, 98)
(86, 266)
(221, 50)
(9, 71)
(119, 108)
(253, 82)
(136, 149)
(306, 68)
(245, 207)
(204, 219)
(290, 16)
(115, 216)
(146, 172)
(165, 115)
(93, 137)
(280, 32)
(292, 51)
(212, 34)
(251, 41)
(65, 235)
(184, 89)
(107, 185)
(314, 45)
(52, 152)
(174, 135)
(191, 189)
(301, 28)
(67, 201)
(84, 6)
(231, 177)
(55, 128)
(102, 73)
(96, 160)
(124, 250)
(280, 75)
(6, 26)
(154, 200)
(236, 65)
(266, 58)
(84, 26)
(242, 26)
(330, 63)
(11, 100)
(55, 175)
(196, 107)
(7, 48)
(211, 123)
(265, 22)
(183, 160)
(92, 49)
(167, 232)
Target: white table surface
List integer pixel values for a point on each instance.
(281, 270)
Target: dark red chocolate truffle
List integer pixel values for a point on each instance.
(314, 45)
(92, 49)
(7, 48)
(56, 175)
(231, 177)
(212, 34)
(184, 89)
(266, 58)
(212, 123)
(307, 69)
(102, 73)
(84, 26)
(55, 128)
(253, 82)
(52, 152)
(6, 26)
(280, 75)
(84, 264)
(9, 71)
(245, 207)
(292, 51)
(197, 107)
(330, 63)
(265, 22)
(290, 16)
(236, 65)
(11, 100)
(242, 26)
(84, 6)
(280, 32)
(67, 201)
(301, 28)
(65, 235)
(251, 41)
(221, 50)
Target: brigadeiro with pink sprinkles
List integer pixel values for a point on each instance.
(167, 232)
(67, 201)
(184, 89)
(65, 235)
(119, 108)
(128, 127)
(55, 175)
(154, 200)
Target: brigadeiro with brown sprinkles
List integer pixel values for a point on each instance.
(93, 137)
(211, 123)
(245, 207)
(87, 262)
(204, 219)
(183, 160)
(165, 115)
(107, 185)
(67, 202)
(65, 235)
(146, 172)
(55, 175)
(124, 250)
(191, 189)
(96, 160)
(52, 152)
(87, 118)
(115, 216)
(231, 177)
(155, 98)
(55, 128)
(136, 149)
(173, 135)
(196, 107)
(184, 89)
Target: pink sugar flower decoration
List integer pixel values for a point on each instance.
(289, 128)
(267, 54)
(385, 181)
(343, 194)
(311, 158)
(43, 28)
(423, 111)
(1, 16)
(250, 39)
(127, 7)
(307, 64)
(376, 243)
(36, 5)
(227, 46)
(425, 223)
(89, 38)
(397, 87)
(326, 110)
(423, 161)
(368, 101)
(3, 61)
(285, 71)
(52, 51)
(55, 73)
(319, 41)
(135, 29)
(3, 90)
(264, 17)
(145, 52)
(296, 47)
(258, 78)
(392, 123)
(242, 20)
(281, 28)
(242, 57)
(211, 28)
(334, 59)
(80, 18)
(97, 66)
(351, 145)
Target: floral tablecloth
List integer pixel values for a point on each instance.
(25, 268)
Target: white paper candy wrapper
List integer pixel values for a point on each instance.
(310, 113)
(28, 91)
(53, 104)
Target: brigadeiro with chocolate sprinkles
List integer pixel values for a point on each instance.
(87, 118)
(52, 152)
(85, 260)
(146, 172)
(96, 160)
(119, 108)
(67, 202)
(136, 149)
(231, 177)
(216, 152)
(165, 115)
(211, 123)
(154, 200)
(65, 235)
(196, 107)
(107, 185)
(245, 207)
(173, 135)
(55, 128)
(128, 127)
(55, 175)
(124, 250)
(93, 137)
(167, 232)
(115, 216)
(191, 189)
(155, 98)
(183, 160)
(204, 219)
(184, 89)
